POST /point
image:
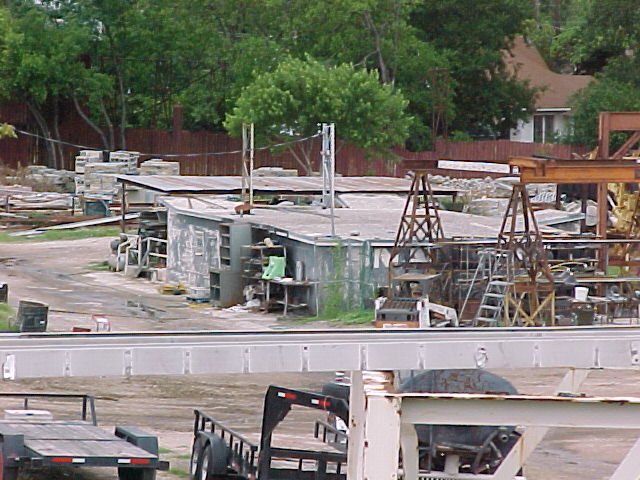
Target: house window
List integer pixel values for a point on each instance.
(543, 128)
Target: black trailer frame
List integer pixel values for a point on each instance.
(219, 452)
(37, 442)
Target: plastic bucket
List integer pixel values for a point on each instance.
(32, 316)
(581, 293)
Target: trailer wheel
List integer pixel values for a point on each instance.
(213, 461)
(196, 457)
(127, 473)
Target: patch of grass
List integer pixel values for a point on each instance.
(178, 472)
(52, 235)
(6, 313)
(184, 456)
(164, 450)
(99, 266)
(345, 317)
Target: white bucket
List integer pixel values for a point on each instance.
(581, 293)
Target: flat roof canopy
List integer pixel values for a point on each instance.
(182, 185)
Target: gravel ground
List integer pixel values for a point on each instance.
(57, 273)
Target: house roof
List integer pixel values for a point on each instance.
(527, 64)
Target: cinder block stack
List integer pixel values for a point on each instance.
(157, 166)
(97, 172)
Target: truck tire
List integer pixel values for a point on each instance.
(128, 473)
(213, 461)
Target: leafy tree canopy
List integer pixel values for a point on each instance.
(291, 101)
(125, 63)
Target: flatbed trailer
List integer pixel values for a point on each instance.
(219, 452)
(32, 438)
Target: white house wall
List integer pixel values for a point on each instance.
(524, 131)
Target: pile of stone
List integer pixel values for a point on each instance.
(97, 172)
(489, 196)
(44, 178)
(274, 172)
(157, 166)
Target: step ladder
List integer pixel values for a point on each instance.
(492, 264)
(491, 306)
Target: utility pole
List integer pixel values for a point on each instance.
(247, 161)
(329, 170)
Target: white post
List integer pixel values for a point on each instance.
(329, 170)
(248, 149)
(355, 453)
(410, 454)
(382, 438)
(251, 156)
(532, 436)
(629, 468)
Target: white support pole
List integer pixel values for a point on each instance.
(409, 448)
(532, 436)
(251, 158)
(629, 468)
(248, 149)
(523, 410)
(329, 170)
(355, 453)
(382, 439)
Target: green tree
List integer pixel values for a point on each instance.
(601, 37)
(290, 102)
(605, 95)
(43, 58)
(486, 94)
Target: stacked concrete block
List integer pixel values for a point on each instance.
(87, 156)
(157, 166)
(97, 172)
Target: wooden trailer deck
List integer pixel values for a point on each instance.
(73, 439)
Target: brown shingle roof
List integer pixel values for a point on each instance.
(528, 64)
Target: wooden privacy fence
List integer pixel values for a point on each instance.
(350, 161)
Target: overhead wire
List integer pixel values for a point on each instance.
(170, 155)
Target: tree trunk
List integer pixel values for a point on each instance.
(107, 119)
(382, 64)
(86, 118)
(302, 158)
(56, 134)
(42, 124)
(123, 109)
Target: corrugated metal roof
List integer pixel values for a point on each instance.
(174, 185)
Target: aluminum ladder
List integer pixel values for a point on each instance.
(500, 270)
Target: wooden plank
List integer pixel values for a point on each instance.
(86, 448)
(46, 431)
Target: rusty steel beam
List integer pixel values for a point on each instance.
(624, 149)
(540, 170)
(613, 122)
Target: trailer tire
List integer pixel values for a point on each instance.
(213, 461)
(196, 456)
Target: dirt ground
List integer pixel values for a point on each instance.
(58, 274)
